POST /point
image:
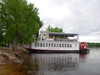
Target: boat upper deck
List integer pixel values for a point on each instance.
(58, 36)
(61, 34)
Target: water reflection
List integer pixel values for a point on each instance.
(82, 58)
(51, 64)
(45, 64)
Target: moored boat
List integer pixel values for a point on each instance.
(58, 42)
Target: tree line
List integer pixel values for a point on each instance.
(19, 22)
(93, 44)
(54, 29)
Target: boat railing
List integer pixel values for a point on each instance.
(69, 40)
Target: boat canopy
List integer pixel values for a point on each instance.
(62, 34)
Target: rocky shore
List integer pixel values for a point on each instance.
(9, 56)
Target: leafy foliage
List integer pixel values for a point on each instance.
(93, 44)
(19, 20)
(56, 29)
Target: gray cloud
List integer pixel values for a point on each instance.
(79, 16)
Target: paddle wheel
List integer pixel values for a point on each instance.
(83, 47)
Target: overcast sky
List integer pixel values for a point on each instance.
(73, 16)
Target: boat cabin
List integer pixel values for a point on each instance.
(57, 36)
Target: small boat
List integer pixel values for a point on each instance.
(58, 42)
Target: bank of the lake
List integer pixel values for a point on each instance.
(8, 56)
(12, 62)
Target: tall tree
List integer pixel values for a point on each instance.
(56, 29)
(1, 36)
(20, 21)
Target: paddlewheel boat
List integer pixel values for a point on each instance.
(58, 42)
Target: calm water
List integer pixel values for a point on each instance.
(67, 64)
(63, 64)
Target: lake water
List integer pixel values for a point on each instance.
(67, 64)
(63, 64)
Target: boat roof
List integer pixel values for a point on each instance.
(62, 34)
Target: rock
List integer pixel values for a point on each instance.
(14, 59)
(2, 59)
(6, 56)
(17, 55)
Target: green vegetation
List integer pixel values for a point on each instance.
(19, 22)
(93, 44)
(56, 29)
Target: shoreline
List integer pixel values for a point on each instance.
(8, 56)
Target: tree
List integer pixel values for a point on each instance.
(56, 29)
(20, 21)
(1, 36)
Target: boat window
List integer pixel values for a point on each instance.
(46, 44)
(49, 44)
(54, 45)
(35, 44)
(65, 45)
(59, 45)
(70, 45)
(43, 44)
(75, 44)
(62, 45)
(40, 44)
